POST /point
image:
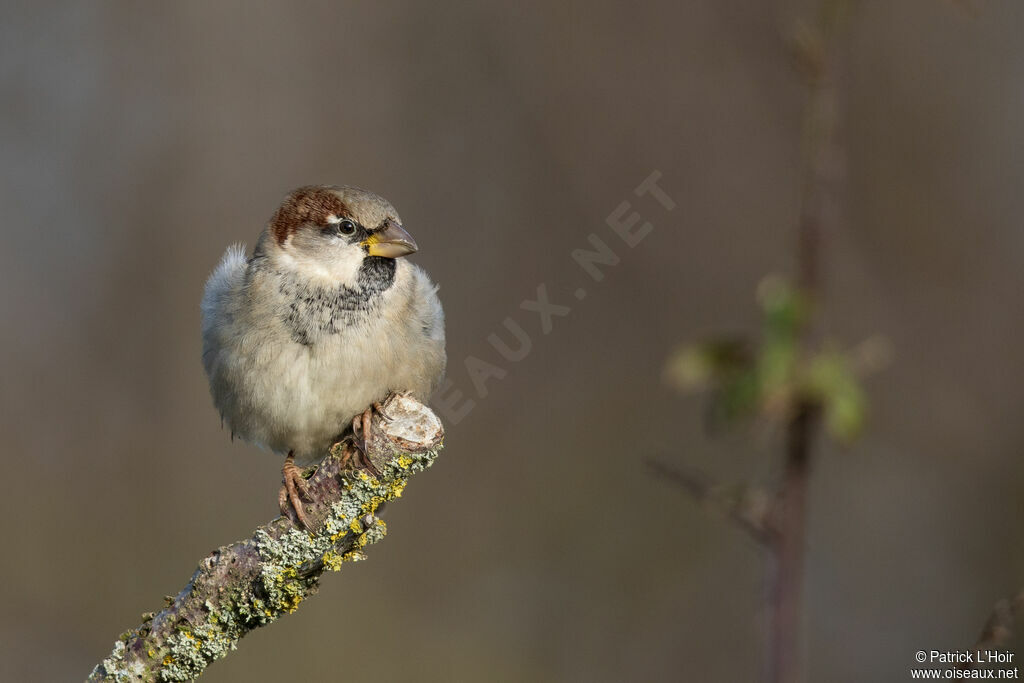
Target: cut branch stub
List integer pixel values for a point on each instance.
(254, 582)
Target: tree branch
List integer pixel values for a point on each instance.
(252, 583)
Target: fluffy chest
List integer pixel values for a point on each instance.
(340, 345)
(314, 311)
(317, 355)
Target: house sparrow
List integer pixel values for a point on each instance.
(320, 324)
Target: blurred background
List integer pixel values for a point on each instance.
(139, 142)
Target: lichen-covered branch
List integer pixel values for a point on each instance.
(253, 582)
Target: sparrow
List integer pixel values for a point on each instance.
(325, 319)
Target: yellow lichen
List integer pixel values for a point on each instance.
(404, 461)
(332, 561)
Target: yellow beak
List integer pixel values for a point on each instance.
(391, 241)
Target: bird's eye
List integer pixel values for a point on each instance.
(346, 227)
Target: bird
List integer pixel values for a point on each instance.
(305, 337)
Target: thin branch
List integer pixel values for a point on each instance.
(815, 50)
(253, 582)
(790, 520)
(748, 510)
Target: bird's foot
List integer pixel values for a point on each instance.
(357, 445)
(362, 429)
(354, 457)
(293, 490)
(361, 424)
(361, 441)
(382, 406)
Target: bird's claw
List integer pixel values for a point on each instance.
(354, 458)
(381, 407)
(362, 424)
(293, 491)
(362, 439)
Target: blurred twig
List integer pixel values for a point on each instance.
(749, 509)
(254, 582)
(999, 627)
(815, 50)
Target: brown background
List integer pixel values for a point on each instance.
(140, 142)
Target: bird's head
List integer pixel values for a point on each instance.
(329, 230)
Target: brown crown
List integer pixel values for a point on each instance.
(310, 204)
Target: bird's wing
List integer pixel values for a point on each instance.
(221, 292)
(429, 311)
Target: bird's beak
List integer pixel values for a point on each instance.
(391, 241)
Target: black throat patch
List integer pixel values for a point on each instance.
(314, 311)
(376, 274)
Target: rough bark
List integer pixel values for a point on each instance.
(254, 582)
